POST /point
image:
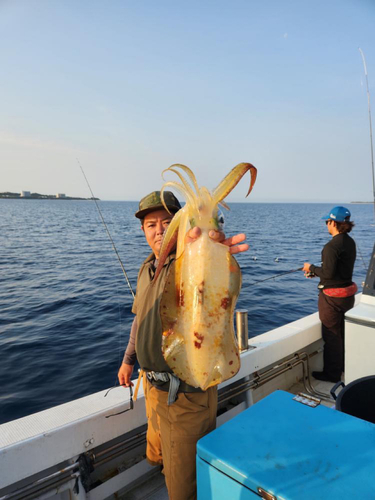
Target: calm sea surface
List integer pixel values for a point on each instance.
(65, 308)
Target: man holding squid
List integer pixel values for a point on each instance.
(173, 427)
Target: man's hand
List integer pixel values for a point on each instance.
(232, 243)
(124, 374)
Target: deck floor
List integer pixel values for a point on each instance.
(155, 489)
(152, 489)
(323, 387)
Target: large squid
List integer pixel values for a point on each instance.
(201, 290)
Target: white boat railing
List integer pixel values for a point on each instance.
(37, 442)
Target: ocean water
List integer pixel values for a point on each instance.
(65, 308)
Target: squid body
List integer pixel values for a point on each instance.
(201, 290)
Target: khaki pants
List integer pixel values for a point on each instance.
(173, 432)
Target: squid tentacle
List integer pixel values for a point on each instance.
(224, 205)
(179, 187)
(232, 179)
(182, 230)
(189, 173)
(169, 240)
(187, 186)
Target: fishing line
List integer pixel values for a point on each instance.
(106, 228)
(363, 260)
(120, 351)
(276, 276)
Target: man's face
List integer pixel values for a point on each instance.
(154, 225)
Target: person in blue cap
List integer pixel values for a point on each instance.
(336, 288)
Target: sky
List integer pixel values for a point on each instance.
(130, 87)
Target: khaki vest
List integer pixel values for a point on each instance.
(146, 307)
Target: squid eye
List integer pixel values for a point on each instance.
(220, 219)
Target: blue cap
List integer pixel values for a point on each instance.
(338, 214)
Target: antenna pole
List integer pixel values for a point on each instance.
(369, 116)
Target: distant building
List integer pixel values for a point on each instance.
(60, 195)
(25, 194)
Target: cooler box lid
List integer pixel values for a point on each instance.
(294, 451)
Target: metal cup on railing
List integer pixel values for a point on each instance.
(242, 329)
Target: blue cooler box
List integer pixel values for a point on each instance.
(284, 449)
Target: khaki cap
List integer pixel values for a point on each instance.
(152, 202)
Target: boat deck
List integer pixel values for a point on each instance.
(275, 360)
(154, 488)
(323, 387)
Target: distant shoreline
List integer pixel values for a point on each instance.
(38, 196)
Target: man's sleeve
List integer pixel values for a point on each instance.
(130, 356)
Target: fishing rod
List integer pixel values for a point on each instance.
(369, 116)
(106, 228)
(277, 276)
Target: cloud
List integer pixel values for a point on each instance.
(285, 35)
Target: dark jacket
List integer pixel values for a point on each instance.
(338, 257)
